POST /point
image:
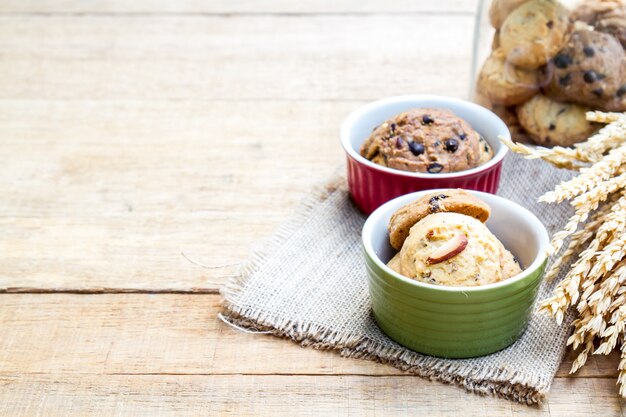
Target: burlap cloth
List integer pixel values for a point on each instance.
(308, 283)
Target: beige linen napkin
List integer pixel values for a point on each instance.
(308, 283)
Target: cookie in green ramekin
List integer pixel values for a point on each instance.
(456, 322)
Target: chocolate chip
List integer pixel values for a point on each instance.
(562, 61)
(549, 24)
(566, 79)
(590, 76)
(416, 148)
(437, 198)
(598, 92)
(433, 203)
(435, 168)
(589, 51)
(393, 127)
(486, 148)
(552, 126)
(399, 143)
(427, 119)
(621, 91)
(451, 145)
(437, 143)
(463, 136)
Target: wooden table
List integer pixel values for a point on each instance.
(133, 133)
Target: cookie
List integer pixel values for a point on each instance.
(482, 100)
(451, 249)
(589, 11)
(424, 140)
(590, 70)
(454, 200)
(504, 84)
(495, 42)
(534, 32)
(550, 123)
(614, 23)
(486, 153)
(508, 263)
(506, 113)
(395, 264)
(519, 134)
(509, 117)
(606, 16)
(501, 9)
(603, 15)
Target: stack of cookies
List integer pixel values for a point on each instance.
(549, 65)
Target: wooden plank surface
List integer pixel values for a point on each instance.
(166, 334)
(56, 395)
(238, 6)
(140, 354)
(233, 58)
(132, 132)
(108, 194)
(106, 144)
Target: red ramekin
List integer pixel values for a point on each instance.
(371, 185)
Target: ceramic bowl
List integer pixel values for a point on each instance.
(457, 322)
(372, 185)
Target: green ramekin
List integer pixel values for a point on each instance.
(457, 322)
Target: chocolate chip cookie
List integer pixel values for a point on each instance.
(590, 70)
(606, 16)
(590, 11)
(454, 200)
(509, 117)
(534, 32)
(551, 123)
(614, 23)
(505, 84)
(425, 140)
(501, 9)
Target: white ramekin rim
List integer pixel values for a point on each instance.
(537, 227)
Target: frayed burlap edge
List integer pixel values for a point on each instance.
(503, 383)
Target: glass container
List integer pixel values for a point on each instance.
(542, 64)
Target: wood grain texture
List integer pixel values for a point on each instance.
(237, 6)
(166, 334)
(59, 395)
(123, 354)
(111, 355)
(233, 58)
(107, 194)
(133, 131)
(129, 151)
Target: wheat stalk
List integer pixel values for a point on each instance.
(557, 156)
(594, 286)
(589, 178)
